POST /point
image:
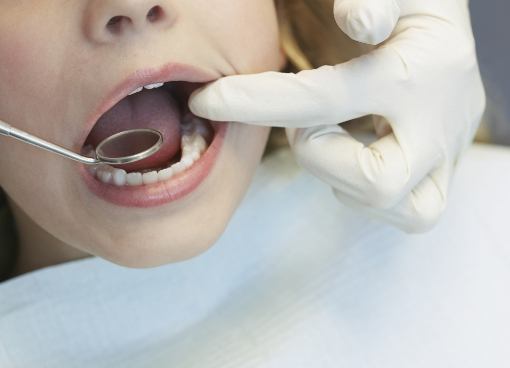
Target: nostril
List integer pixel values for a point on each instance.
(135, 18)
(114, 25)
(155, 14)
(114, 22)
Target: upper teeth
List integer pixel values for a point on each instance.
(136, 91)
(148, 86)
(155, 85)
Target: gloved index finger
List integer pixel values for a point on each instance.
(275, 99)
(324, 96)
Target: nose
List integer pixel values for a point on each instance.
(108, 20)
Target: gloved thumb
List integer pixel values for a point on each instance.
(367, 21)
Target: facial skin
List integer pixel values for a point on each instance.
(58, 60)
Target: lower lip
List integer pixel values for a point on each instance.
(158, 194)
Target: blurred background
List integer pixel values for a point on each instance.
(491, 30)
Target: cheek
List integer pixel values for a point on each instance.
(29, 70)
(32, 63)
(24, 105)
(16, 65)
(16, 55)
(246, 32)
(244, 152)
(258, 27)
(20, 47)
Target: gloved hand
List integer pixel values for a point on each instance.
(424, 81)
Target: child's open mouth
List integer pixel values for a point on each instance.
(163, 107)
(190, 147)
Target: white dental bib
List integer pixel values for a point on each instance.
(319, 287)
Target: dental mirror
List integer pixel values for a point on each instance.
(122, 148)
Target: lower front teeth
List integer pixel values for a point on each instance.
(119, 177)
(133, 179)
(193, 146)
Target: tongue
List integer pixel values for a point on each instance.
(154, 109)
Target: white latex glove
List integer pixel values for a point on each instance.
(424, 80)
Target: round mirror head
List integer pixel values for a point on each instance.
(129, 146)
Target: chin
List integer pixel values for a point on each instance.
(158, 252)
(153, 248)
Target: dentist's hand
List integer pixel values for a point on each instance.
(424, 81)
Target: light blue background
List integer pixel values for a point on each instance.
(492, 30)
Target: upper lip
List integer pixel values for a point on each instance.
(171, 72)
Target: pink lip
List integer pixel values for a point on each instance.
(161, 193)
(165, 192)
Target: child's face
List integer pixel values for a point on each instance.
(64, 62)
